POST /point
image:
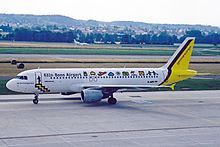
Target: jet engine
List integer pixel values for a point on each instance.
(89, 96)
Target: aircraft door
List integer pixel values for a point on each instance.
(164, 74)
(38, 78)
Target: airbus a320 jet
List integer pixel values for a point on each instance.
(96, 84)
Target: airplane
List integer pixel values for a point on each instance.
(96, 84)
(80, 44)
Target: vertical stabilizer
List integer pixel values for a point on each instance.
(181, 58)
(177, 66)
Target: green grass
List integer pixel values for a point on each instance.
(84, 51)
(196, 52)
(190, 84)
(198, 84)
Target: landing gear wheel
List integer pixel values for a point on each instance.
(112, 101)
(35, 101)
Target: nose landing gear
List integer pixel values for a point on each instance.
(112, 100)
(35, 100)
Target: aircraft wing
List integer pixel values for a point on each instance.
(117, 87)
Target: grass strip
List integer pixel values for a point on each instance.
(95, 51)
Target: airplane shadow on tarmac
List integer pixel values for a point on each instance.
(121, 105)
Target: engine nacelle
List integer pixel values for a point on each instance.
(89, 96)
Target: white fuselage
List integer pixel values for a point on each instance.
(75, 80)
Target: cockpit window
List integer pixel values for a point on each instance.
(22, 77)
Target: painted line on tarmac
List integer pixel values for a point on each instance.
(109, 132)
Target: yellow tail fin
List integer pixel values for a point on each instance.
(177, 66)
(181, 57)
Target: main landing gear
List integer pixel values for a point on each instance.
(112, 100)
(35, 100)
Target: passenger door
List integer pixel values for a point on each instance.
(38, 78)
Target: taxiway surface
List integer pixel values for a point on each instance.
(189, 118)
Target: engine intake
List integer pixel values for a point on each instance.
(90, 96)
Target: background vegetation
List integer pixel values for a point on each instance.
(48, 35)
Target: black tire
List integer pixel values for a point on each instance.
(13, 62)
(112, 101)
(20, 66)
(35, 101)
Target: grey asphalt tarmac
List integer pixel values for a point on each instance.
(182, 118)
